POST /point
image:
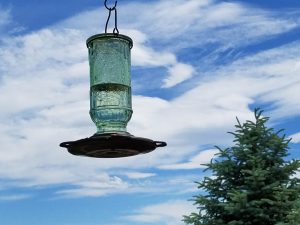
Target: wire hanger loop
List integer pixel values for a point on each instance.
(110, 9)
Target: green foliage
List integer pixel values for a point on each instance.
(251, 182)
(293, 218)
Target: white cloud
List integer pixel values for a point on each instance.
(195, 162)
(147, 57)
(273, 75)
(177, 74)
(181, 24)
(138, 175)
(103, 185)
(199, 22)
(14, 197)
(295, 138)
(44, 93)
(7, 25)
(5, 17)
(168, 213)
(143, 55)
(97, 187)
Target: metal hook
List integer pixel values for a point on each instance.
(113, 8)
(115, 31)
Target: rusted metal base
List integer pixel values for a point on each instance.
(112, 145)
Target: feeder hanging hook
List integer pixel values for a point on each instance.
(115, 30)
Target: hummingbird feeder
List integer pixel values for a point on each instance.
(110, 99)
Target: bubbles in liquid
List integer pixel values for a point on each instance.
(110, 107)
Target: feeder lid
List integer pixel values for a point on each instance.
(112, 145)
(109, 36)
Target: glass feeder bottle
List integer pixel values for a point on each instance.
(110, 82)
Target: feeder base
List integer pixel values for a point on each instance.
(112, 145)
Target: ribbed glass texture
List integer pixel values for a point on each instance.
(110, 88)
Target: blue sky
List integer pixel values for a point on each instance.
(196, 65)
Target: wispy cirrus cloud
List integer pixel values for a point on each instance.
(171, 26)
(195, 162)
(7, 25)
(167, 213)
(139, 175)
(5, 20)
(5, 17)
(295, 138)
(14, 197)
(104, 185)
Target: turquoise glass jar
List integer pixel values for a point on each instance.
(110, 82)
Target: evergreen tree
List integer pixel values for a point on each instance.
(251, 182)
(293, 218)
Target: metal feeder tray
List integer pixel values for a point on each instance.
(112, 145)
